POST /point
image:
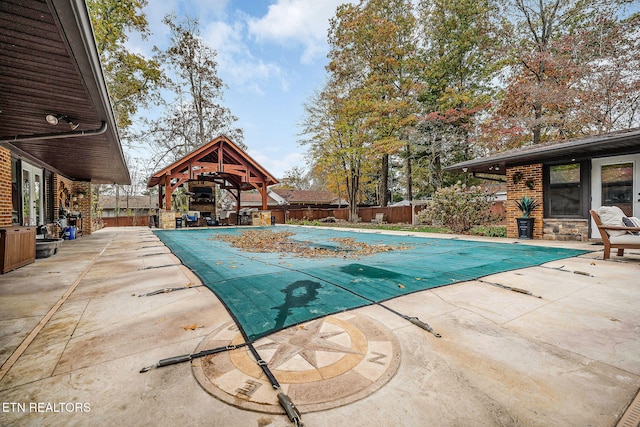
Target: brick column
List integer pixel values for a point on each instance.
(524, 181)
(6, 192)
(83, 192)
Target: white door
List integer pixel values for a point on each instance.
(615, 181)
(32, 195)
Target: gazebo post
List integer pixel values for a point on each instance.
(238, 206)
(263, 191)
(167, 194)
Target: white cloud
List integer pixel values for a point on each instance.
(277, 165)
(300, 22)
(235, 60)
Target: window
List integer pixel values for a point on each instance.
(564, 192)
(617, 186)
(27, 194)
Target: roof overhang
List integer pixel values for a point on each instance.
(50, 65)
(606, 145)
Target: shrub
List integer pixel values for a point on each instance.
(458, 207)
(489, 231)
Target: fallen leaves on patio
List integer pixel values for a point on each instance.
(280, 241)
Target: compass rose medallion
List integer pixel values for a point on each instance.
(320, 364)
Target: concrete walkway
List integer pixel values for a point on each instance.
(76, 328)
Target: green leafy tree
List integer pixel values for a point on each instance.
(457, 36)
(381, 35)
(336, 147)
(133, 81)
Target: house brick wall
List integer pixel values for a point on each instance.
(64, 191)
(83, 194)
(524, 181)
(67, 195)
(6, 204)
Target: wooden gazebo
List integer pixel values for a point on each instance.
(220, 161)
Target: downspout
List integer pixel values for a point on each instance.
(38, 137)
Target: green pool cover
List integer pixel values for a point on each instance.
(267, 292)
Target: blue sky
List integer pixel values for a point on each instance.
(271, 55)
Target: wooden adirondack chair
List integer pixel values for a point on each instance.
(620, 242)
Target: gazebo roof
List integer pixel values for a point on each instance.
(220, 161)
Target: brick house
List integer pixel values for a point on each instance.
(569, 179)
(58, 133)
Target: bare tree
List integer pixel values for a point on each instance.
(197, 115)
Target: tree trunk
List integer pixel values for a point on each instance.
(409, 173)
(384, 181)
(436, 165)
(352, 189)
(537, 127)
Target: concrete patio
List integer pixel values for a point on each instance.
(76, 329)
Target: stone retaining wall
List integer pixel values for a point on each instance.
(566, 229)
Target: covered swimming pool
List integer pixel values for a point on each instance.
(269, 291)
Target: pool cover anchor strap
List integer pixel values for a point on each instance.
(561, 268)
(290, 408)
(189, 357)
(161, 291)
(423, 325)
(167, 290)
(413, 319)
(284, 400)
(510, 288)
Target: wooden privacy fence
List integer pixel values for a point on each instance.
(125, 221)
(392, 215)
